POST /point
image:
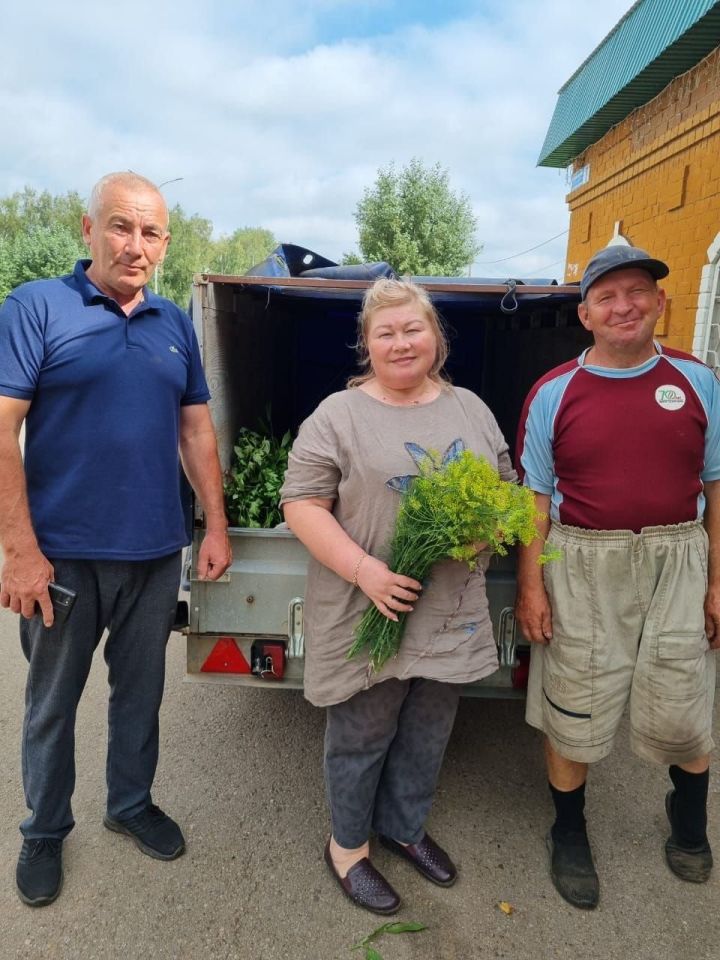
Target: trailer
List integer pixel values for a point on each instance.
(281, 338)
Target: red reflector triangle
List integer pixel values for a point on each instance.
(225, 657)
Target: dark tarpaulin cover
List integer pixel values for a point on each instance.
(290, 260)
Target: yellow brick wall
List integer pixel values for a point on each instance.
(658, 174)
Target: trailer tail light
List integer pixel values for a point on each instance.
(225, 657)
(268, 659)
(520, 672)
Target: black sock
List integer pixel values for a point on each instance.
(689, 806)
(569, 810)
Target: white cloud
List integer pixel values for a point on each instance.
(271, 121)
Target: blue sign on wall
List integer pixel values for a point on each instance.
(580, 177)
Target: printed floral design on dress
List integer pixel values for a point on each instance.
(426, 459)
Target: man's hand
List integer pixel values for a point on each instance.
(23, 583)
(712, 617)
(532, 606)
(711, 521)
(533, 614)
(215, 555)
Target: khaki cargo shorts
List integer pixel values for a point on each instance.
(628, 624)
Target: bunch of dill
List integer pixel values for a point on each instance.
(445, 513)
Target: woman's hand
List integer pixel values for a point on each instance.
(390, 592)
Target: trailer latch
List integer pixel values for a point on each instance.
(507, 639)
(296, 628)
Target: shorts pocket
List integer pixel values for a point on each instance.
(675, 710)
(568, 687)
(702, 552)
(569, 654)
(679, 669)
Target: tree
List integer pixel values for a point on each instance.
(189, 253)
(26, 210)
(192, 250)
(43, 252)
(40, 236)
(246, 247)
(415, 222)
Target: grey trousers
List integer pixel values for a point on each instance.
(135, 601)
(383, 752)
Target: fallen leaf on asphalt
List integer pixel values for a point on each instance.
(507, 908)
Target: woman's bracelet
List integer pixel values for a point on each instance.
(356, 569)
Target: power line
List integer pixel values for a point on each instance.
(536, 272)
(548, 265)
(487, 263)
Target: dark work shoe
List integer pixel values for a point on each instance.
(689, 863)
(427, 857)
(39, 873)
(365, 886)
(152, 831)
(572, 869)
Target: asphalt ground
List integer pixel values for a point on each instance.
(241, 771)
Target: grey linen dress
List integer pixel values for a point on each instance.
(348, 450)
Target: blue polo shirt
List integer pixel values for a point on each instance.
(102, 431)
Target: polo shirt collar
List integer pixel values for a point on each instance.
(92, 294)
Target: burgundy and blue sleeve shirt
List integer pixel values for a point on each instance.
(622, 449)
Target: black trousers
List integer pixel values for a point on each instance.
(135, 601)
(383, 752)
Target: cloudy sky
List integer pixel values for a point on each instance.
(280, 114)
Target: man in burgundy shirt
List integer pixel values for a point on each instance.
(622, 449)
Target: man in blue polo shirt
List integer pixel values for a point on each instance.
(107, 377)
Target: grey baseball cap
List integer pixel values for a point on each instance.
(620, 257)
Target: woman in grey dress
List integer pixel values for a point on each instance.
(387, 731)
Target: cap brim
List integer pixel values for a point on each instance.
(656, 268)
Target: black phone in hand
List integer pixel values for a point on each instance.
(62, 599)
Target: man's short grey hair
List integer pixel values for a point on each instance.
(123, 178)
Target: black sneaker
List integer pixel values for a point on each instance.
(152, 831)
(39, 873)
(689, 863)
(572, 869)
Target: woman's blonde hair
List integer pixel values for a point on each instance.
(394, 293)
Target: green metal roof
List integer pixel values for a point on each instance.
(655, 42)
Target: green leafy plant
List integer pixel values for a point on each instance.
(446, 511)
(399, 926)
(252, 484)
